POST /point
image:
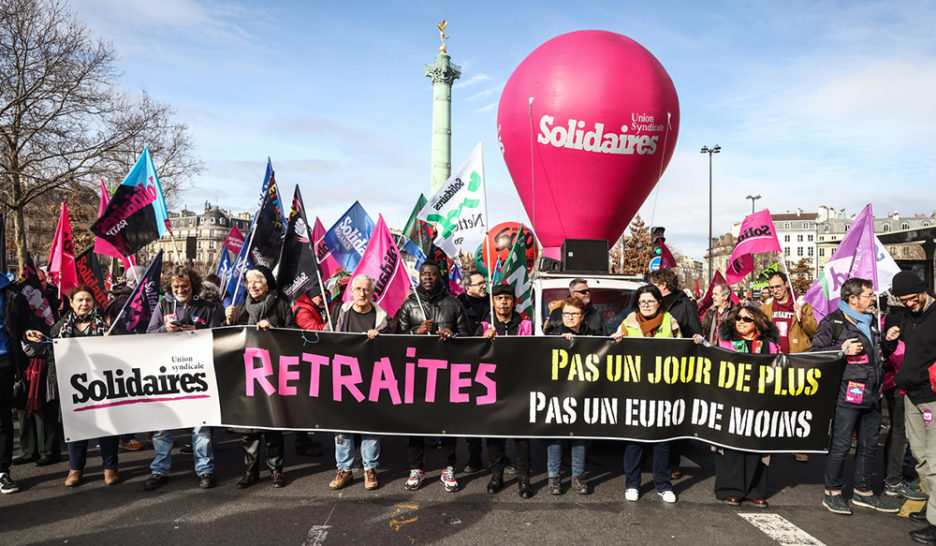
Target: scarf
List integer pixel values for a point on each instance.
(649, 326)
(258, 310)
(34, 373)
(97, 326)
(741, 345)
(862, 320)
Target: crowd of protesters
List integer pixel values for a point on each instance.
(886, 360)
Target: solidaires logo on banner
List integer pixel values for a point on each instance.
(136, 383)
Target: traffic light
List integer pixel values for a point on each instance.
(656, 235)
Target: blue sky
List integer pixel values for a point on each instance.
(813, 103)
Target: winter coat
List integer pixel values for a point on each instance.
(308, 316)
(280, 315)
(863, 378)
(201, 313)
(516, 326)
(684, 311)
(592, 319)
(444, 310)
(710, 330)
(383, 322)
(918, 332)
(802, 331)
(631, 326)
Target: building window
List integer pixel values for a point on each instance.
(799, 238)
(213, 219)
(827, 228)
(799, 251)
(223, 221)
(822, 252)
(805, 225)
(926, 224)
(786, 238)
(211, 245)
(904, 225)
(847, 226)
(886, 228)
(786, 225)
(810, 237)
(809, 252)
(786, 250)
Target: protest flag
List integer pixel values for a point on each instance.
(757, 236)
(31, 289)
(348, 238)
(418, 233)
(298, 267)
(459, 209)
(697, 292)
(667, 260)
(706, 300)
(329, 266)
(136, 214)
(268, 231)
(62, 255)
(856, 256)
(383, 263)
(234, 241)
(224, 265)
(89, 273)
(514, 272)
(135, 315)
(101, 246)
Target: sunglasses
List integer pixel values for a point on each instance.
(744, 319)
(586, 291)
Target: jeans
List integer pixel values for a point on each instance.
(554, 456)
(202, 451)
(633, 453)
(6, 418)
(78, 453)
(867, 421)
(344, 450)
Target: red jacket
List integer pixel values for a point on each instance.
(307, 315)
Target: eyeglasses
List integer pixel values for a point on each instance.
(907, 299)
(648, 303)
(870, 296)
(479, 284)
(570, 315)
(361, 289)
(586, 291)
(745, 319)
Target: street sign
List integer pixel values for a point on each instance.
(655, 263)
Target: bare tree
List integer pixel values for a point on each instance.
(63, 120)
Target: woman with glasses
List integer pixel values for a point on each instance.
(741, 475)
(648, 321)
(573, 324)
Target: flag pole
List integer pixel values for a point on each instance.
(248, 242)
(318, 273)
(175, 248)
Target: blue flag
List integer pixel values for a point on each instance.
(348, 238)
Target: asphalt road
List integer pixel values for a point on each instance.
(307, 512)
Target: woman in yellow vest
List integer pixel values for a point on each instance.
(648, 321)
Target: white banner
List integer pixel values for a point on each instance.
(161, 382)
(459, 209)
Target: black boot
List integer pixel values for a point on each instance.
(919, 517)
(524, 489)
(496, 483)
(926, 535)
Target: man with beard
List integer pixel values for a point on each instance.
(432, 310)
(592, 319)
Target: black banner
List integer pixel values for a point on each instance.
(547, 387)
(89, 273)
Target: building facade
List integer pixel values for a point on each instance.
(198, 237)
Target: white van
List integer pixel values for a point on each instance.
(611, 294)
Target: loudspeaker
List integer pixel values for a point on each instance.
(586, 255)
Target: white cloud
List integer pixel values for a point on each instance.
(477, 78)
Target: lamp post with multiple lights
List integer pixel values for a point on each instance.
(753, 198)
(710, 151)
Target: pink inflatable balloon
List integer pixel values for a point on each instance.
(600, 116)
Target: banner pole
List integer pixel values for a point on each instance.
(240, 270)
(318, 273)
(175, 248)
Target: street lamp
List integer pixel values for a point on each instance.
(706, 150)
(752, 198)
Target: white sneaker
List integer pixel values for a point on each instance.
(667, 496)
(631, 494)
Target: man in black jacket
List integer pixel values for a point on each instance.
(432, 310)
(676, 302)
(917, 329)
(593, 321)
(12, 363)
(853, 330)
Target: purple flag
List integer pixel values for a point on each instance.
(854, 257)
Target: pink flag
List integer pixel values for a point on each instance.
(234, 240)
(326, 261)
(667, 260)
(757, 235)
(62, 256)
(381, 261)
(100, 245)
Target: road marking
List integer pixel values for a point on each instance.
(397, 522)
(318, 533)
(781, 530)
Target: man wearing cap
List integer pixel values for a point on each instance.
(917, 329)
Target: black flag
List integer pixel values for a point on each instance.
(297, 263)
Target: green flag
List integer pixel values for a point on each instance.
(514, 273)
(420, 232)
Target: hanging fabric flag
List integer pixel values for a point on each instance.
(62, 256)
(706, 300)
(514, 273)
(667, 260)
(224, 266)
(136, 214)
(89, 273)
(100, 245)
(330, 267)
(234, 241)
(347, 239)
(232, 285)
(757, 236)
(269, 228)
(458, 211)
(31, 289)
(418, 233)
(297, 261)
(382, 262)
(135, 315)
(854, 257)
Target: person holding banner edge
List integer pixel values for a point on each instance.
(506, 322)
(82, 320)
(264, 308)
(648, 321)
(430, 309)
(183, 311)
(853, 330)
